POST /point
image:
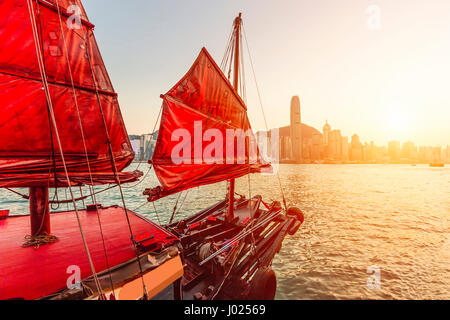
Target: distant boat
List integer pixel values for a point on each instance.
(437, 165)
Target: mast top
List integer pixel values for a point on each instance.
(238, 18)
(237, 39)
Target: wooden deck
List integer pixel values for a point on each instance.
(29, 273)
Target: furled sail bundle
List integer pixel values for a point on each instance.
(58, 33)
(205, 135)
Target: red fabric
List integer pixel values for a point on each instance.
(30, 274)
(78, 179)
(25, 143)
(203, 95)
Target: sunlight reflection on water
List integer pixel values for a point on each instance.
(395, 217)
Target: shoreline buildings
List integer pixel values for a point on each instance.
(300, 143)
(143, 146)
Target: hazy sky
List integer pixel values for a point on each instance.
(378, 68)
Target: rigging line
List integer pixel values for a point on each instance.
(224, 63)
(116, 175)
(242, 72)
(242, 235)
(244, 96)
(145, 151)
(224, 70)
(18, 193)
(175, 207)
(225, 277)
(227, 46)
(231, 58)
(141, 180)
(67, 201)
(249, 184)
(53, 118)
(142, 205)
(227, 55)
(182, 203)
(52, 156)
(156, 212)
(84, 197)
(83, 138)
(262, 109)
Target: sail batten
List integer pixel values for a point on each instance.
(201, 114)
(56, 83)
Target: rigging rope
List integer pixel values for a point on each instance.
(142, 205)
(53, 155)
(18, 193)
(181, 206)
(262, 109)
(156, 212)
(83, 138)
(227, 48)
(153, 133)
(39, 240)
(242, 235)
(151, 164)
(175, 208)
(114, 168)
(53, 119)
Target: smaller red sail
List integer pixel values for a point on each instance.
(205, 136)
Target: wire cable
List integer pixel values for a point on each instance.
(53, 119)
(262, 109)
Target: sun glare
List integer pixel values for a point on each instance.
(399, 122)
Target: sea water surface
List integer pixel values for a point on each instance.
(361, 221)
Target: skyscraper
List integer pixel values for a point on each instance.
(394, 150)
(326, 140)
(335, 145)
(296, 129)
(356, 149)
(345, 149)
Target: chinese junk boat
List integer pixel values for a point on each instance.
(61, 128)
(228, 248)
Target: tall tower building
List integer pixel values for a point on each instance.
(335, 145)
(326, 140)
(326, 133)
(296, 129)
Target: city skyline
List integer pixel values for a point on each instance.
(302, 143)
(374, 81)
(327, 143)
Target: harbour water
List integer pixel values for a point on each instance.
(359, 219)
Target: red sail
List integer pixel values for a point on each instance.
(202, 105)
(29, 150)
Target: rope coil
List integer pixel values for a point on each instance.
(39, 240)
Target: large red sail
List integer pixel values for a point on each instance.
(29, 152)
(202, 105)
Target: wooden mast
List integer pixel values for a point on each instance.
(237, 36)
(39, 211)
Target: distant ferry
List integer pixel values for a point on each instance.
(437, 165)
